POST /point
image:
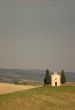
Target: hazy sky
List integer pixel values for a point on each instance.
(37, 34)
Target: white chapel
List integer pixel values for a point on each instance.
(55, 79)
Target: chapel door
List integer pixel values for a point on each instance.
(55, 83)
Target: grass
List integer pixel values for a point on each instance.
(42, 98)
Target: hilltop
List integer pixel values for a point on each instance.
(42, 98)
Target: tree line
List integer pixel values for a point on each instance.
(47, 79)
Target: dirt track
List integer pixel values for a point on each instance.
(8, 88)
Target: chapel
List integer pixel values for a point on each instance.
(55, 79)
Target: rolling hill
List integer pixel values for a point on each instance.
(12, 75)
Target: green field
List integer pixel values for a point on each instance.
(42, 98)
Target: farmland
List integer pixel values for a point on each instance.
(8, 88)
(41, 98)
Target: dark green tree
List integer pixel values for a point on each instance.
(63, 77)
(47, 79)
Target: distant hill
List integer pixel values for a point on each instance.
(12, 75)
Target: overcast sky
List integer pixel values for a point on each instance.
(37, 34)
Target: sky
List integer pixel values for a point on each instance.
(37, 34)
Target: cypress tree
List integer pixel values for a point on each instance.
(47, 79)
(63, 77)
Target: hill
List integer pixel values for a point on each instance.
(42, 98)
(12, 75)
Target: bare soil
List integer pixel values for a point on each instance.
(69, 84)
